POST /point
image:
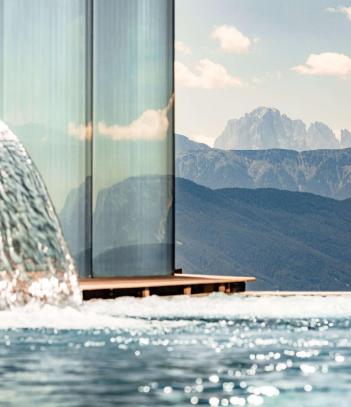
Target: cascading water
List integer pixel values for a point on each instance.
(35, 264)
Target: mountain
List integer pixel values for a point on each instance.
(288, 240)
(120, 220)
(184, 144)
(75, 218)
(266, 128)
(345, 139)
(322, 172)
(128, 237)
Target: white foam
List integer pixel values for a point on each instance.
(234, 306)
(49, 316)
(157, 312)
(5, 133)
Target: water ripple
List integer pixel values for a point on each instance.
(104, 354)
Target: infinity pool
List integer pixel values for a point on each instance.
(215, 351)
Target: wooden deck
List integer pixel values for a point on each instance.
(112, 287)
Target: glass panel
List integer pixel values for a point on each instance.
(133, 141)
(69, 67)
(43, 96)
(1, 57)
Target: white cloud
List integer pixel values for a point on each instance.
(266, 77)
(327, 63)
(256, 81)
(80, 131)
(342, 10)
(231, 39)
(206, 75)
(182, 48)
(150, 125)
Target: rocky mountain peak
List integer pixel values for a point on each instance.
(345, 138)
(262, 111)
(266, 128)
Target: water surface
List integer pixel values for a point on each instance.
(215, 351)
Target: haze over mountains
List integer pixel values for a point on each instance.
(322, 172)
(267, 128)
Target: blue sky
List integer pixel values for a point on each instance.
(235, 55)
(43, 88)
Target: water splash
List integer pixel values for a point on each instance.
(35, 264)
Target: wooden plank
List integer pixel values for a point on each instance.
(221, 288)
(145, 292)
(187, 290)
(234, 279)
(141, 286)
(156, 281)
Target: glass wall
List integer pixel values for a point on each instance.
(133, 106)
(87, 86)
(44, 101)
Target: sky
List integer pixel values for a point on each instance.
(235, 55)
(231, 56)
(44, 89)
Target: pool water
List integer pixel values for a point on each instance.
(212, 351)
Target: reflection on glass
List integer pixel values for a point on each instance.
(133, 143)
(43, 99)
(85, 82)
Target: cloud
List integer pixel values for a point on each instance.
(150, 125)
(231, 39)
(206, 75)
(327, 63)
(182, 48)
(81, 131)
(256, 80)
(342, 10)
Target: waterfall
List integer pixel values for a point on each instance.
(35, 264)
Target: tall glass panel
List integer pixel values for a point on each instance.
(43, 100)
(1, 57)
(133, 140)
(88, 88)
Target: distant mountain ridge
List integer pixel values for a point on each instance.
(75, 217)
(128, 238)
(322, 172)
(184, 144)
(267, 128)
(288, 240)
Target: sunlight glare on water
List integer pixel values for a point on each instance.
(216, 351)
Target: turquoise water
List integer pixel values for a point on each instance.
(215, 351)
